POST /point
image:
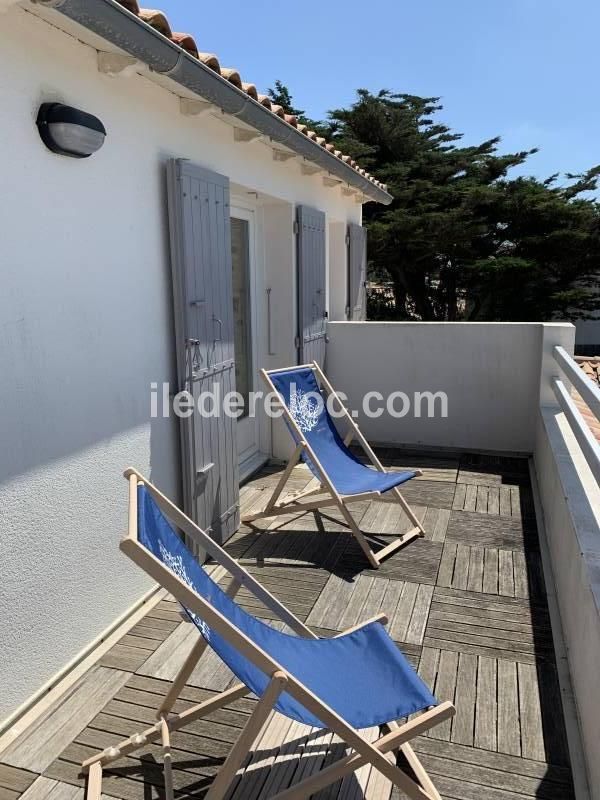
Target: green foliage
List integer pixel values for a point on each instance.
(380, 305)
(280, 95)
(461, 239)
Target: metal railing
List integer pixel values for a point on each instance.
(590, 393)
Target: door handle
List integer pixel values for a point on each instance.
(220, 324)
(202, 477)
(203, 471)
(269, 345)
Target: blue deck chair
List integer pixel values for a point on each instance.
(355, 680)
(343, 478)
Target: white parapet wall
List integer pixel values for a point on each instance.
(489, 372)
(570, 504)
(570, 500)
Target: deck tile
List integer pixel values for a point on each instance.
(466, 604)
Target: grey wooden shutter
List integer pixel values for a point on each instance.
(357, 272)
(312, 316)
(199, 217)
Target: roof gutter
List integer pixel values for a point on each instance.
(112, 22)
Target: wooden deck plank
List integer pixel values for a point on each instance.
(168, 659)
(461, 566)
(486, 710)
(466, 680)
(436, 522)
(467, 603)
(505, 505)
(506, 578)
(420, 615)
(331, 603)
(490, 571)
(481, 503)
(374, 602)
(470, 503)
(520, 576)
(252, 775)
(46, 789)
(445, 686)
(460, 494)
(475, 580)
(441, 614)
(37, 747)
(446, 570)
(490, 781)
(285, 763)
(503, 605)
(485, 530)
(15, 779)
(549, 775)
(401, 620)
(443, 642)
(532, 731)
(429, 493)
(428, 665)
(418, 562)
(353, 612)
(509, 734)
(493, 500)
(551, 707)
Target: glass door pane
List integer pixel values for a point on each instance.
(240, 251)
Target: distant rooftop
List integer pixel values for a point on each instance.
(591, 367)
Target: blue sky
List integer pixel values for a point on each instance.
(526, 70)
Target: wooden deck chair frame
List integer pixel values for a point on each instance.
(330, 497)
(417, 786)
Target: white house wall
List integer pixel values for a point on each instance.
(85, 314)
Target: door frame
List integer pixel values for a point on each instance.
(242, 208)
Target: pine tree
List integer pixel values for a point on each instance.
(461, 239)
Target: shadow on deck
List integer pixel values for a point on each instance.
(466, 604)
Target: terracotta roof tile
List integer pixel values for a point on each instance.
(157, 20)
(131, 5)
(187, 42)
(591, 367)
(210, 60)
(250, 90)
(232, 75)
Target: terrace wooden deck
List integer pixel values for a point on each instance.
(467, 605)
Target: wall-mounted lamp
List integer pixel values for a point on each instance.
(69, 131)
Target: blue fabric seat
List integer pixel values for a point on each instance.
(300, 392)
(362, 675)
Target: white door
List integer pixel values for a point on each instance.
(246, 321)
